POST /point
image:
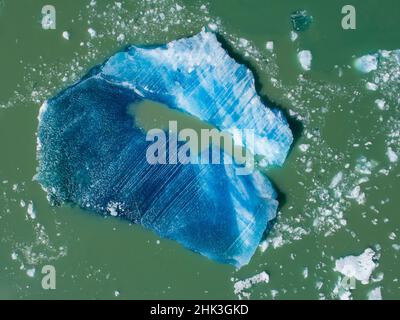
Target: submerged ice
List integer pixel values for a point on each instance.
(92, 153)
(301, 20)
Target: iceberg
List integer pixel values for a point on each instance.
(196, 76)
(305, 59)
(373, 61)
(358, 267)
(367, 63)
(92, 153)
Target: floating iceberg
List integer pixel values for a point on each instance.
(372, 62)
(360, 267)
(305, 59)
(92, 153)
(367, 63)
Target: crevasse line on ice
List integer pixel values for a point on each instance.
(211, 86)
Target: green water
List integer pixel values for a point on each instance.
(335, 116)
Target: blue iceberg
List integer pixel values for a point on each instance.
(92, 153)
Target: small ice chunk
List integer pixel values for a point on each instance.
(274, 293)
(375, 294)
(241, 285)
(357, 195)
(31, 211)
(371, 86)
(121, 38)
(380, 103)
(243, 42)
(393, 157)
(270, 46)
(92, 32)
(345, 295)
(304, 147)
(396, 247)
(213, 27)
(277, 241)
(31, 272)
(360, 267)
(336, 180)
(367, 63)
(264, 245)
(305, 59)
(365, 166)
(116, 293)
(65, 35)
(293, 36)
(14, 256)
(112, 208)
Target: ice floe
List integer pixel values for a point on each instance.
(358, 267)
(209, 209)
(305, 59)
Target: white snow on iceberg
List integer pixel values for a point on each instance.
(197, 76)
(358, 267)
